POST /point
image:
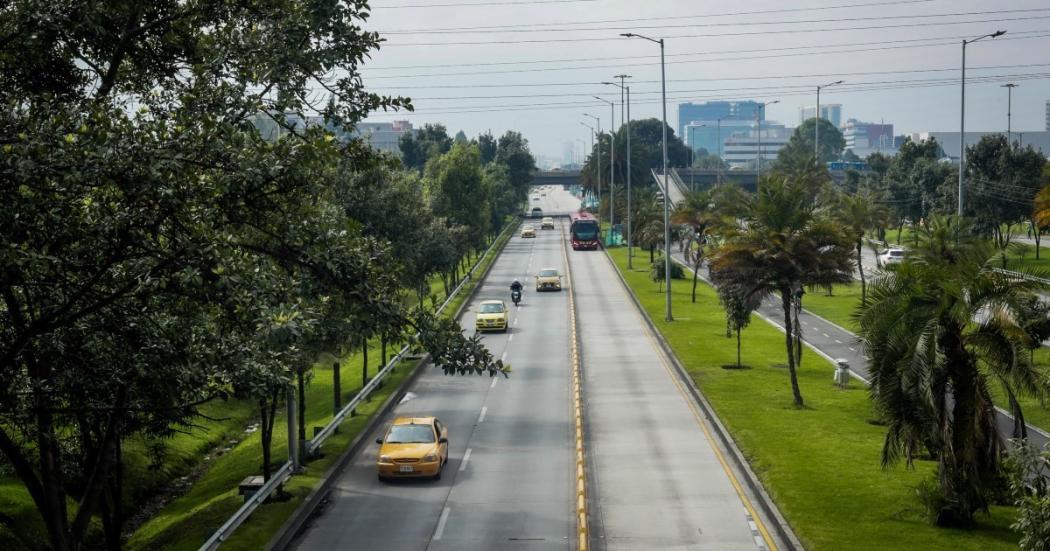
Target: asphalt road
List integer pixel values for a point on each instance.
(657, 479)
(836, 342)
(509, 480)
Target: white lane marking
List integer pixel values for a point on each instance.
(466, 457)
(481, 417)
(838, 341)
(805, 323)
(408, 396)
(826, 336)
(852, 349)
(503, 357)
(494, 381)
(510, 338)
(515, 322)
(441, 524)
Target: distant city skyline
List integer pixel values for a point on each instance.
(535, 68)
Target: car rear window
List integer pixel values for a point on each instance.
(491, 308)
(896, 253)
(410, 434)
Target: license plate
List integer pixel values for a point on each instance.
(406, 468)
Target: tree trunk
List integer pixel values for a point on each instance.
(382, 348)
(651, 251)
(900, 228)
(301, 384)
(860, 268)
(337, 389)
(364, 363)
(1036, 234)
(789, 341)
(696, 271)
(738, 364)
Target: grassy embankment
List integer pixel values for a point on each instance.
(821, 463)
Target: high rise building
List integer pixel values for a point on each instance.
(742, 148)
(865, 138)
(706, 135)
(830, 111)
(711, 111)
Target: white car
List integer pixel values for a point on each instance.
(891, 257)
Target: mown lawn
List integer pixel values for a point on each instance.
(189, 520)
(821, 463)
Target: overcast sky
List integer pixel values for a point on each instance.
(738, 50)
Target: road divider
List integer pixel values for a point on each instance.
(582, 534)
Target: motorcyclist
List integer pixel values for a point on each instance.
(516, 286)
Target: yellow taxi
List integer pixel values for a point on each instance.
(413, 447)
(492, 316)
(528, 231)
(548, 280)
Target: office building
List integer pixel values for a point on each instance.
(383, 136)
(865, 138)
(742, 148)
(706, 134)
(832, 112)
(711, 111)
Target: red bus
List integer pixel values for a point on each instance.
(584, 231)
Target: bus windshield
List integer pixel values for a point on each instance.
(585, 230)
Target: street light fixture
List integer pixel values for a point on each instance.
(816, 127)
(612, 162)
(962, 116)
(627, 121)
(667, 198)
(1009, 99)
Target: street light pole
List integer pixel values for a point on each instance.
(1009, 100)
(627, 121)
(719, 138)
(758, 154)
(816, 127)
(667, 191)
(612, 161)
(597, 160)
(962, 117)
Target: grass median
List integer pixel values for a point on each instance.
(187, 521)
(821, 463)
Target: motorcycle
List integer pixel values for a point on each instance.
(515, 295)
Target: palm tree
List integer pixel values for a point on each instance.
(937, 331)
(696, 212)
(859, 213)
(784, 247)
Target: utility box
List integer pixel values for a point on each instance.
(842, 373)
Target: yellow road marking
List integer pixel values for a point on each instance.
(577, 406)
(707, 433)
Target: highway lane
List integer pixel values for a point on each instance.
(509, 480)
(658, 481)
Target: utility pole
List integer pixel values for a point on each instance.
(627, 120)
(598, 162)
(612, 162)
(1009, 100)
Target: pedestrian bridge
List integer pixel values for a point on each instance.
(564, 178)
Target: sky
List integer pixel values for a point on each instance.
(534, 65)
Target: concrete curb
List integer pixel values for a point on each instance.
(769, 508)
(295, 524)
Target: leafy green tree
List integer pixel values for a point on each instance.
(783, 247)
(487, 146)
(1026, 467)
(512, 151)
(934, 354)
(646, 155)
(1002, 180)
(456, 192)
(738, 305)
(428, 142)
(831, 141)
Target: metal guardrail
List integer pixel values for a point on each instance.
(1019, 275)
(253, 503)
(288, 469)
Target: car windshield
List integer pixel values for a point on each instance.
(491, 308)
(586, 231)
(410, 434)
(896, 253)
(548, 273)
(537, 211)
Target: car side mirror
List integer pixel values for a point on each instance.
(379, 440)
(443, 440)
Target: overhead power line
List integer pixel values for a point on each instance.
(708, 79)
(480, 4)
(715, 35)
(788, 52)
(664, 18)
(721, 24)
